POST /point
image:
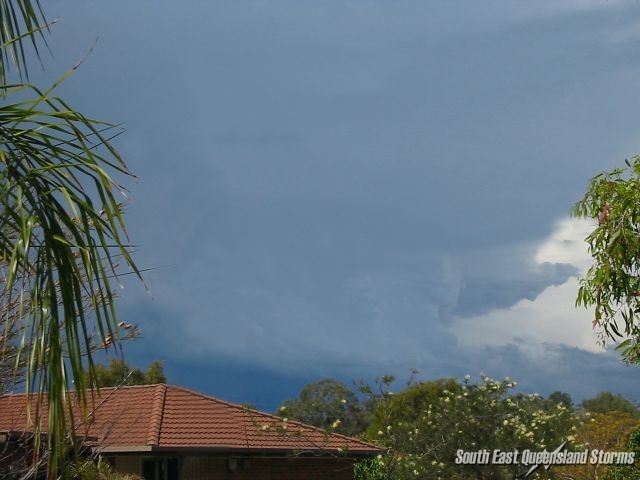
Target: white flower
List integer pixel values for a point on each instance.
(343, 401)
(336, 424)
(467, 377)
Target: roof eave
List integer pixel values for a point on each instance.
(237, 450)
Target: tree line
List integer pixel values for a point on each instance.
(425, 424)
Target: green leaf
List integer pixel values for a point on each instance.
(624, 345)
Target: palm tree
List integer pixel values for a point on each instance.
(62, 235)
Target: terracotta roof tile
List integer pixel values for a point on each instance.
(170, 417)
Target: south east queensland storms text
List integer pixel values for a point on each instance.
(529, 457)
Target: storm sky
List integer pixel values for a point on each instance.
(353, 188)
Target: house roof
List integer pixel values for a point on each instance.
(166, 417)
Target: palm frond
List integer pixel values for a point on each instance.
(61, 226)
(22, 22)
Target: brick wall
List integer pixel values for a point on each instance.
(295, 468)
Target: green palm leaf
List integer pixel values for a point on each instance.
(62, 235)
(21, 21)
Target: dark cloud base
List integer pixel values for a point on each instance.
(580, 373)
(481, 295)
(556, 367)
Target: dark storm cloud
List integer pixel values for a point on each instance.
(482, 294)
(560, 367)
(324, 185)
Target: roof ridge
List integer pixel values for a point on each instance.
(244, 408)
(157, 411)
(91, 390)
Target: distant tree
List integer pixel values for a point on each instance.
(606, 402)
(119, 372)
(155, 373)
(327, 404)
(548, 404)
(561, 397)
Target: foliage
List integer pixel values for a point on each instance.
(424, 426)
(62, 235)
(369, 469)
(327, 404)
(410, 404)
(19, 26)
(561, 397)
(155, 373)
(606, 402)
(627, 472)
(374, 395)
(118, 372)
(95, 470)
(612, 284)
(603, 431)
(13, 366)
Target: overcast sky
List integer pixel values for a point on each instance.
(354, 188)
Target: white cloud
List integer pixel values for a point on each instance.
(566, 244)
(549, 318)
